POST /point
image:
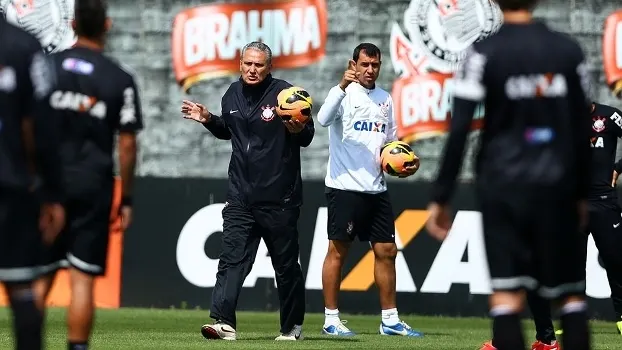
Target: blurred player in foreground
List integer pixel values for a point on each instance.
(533, 180)
(94, 98)
(358, 201)
(265, 192)
(29, 174)
(604, 222)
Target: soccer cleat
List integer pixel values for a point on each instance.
(339, 329)
(401, 328)
(218, 330)
(538, 345)
(293, 335)
(559, 332)
(619, 326)
(488, 346)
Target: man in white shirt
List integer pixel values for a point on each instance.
(360, 119)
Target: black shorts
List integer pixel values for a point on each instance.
(364, 215)
(533, 242)
(83, 244)
(21, 244)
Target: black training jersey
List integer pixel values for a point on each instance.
(94, 98)
(533, 83)
(605, 130)
(25, 81)
(264, 170)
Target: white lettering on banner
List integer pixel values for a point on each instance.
(199, 269)
(448, 267)
(218, 37)
(597, 284)
(318, 251)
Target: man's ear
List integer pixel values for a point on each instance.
(73, 24)
(108, 24)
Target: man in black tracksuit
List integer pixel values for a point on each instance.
(265, 192)
(605, 215)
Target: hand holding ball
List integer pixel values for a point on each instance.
(398, 159)
(294, 103)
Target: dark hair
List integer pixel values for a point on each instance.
(90, 17)
(516, 5)
(370, 50)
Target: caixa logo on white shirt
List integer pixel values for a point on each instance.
(370, 126)
(447, 269)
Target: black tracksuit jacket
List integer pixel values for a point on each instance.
(264, 170)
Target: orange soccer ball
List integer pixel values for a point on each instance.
(395, 157)
(294, 103)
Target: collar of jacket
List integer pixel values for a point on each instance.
(254, 89)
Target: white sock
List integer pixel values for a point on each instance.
(390, 317)
(331, 317)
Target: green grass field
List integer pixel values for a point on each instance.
(179, 329)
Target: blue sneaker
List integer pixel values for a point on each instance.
(338, 330)
(399, 329)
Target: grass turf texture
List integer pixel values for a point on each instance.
(179, 329)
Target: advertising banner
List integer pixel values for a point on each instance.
(439, 32)
(207, 40)
(171, 254)
(612, 52)
(48, 20)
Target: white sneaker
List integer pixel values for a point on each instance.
(218, 330)
(293, 335)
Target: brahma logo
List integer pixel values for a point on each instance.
(370, 126)
(440, 32)
(612, 52)
(207, 40)
(48, 20)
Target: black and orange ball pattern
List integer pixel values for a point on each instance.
(294, 103)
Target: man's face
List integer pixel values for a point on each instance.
(254, 66)
(368, 69)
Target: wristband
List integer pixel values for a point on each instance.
(126, 201)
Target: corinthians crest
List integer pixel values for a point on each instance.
(48, 20)
(440, 31)
(439, 34)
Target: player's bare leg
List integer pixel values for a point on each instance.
(42, 288)
(81, 308)
(331, 282)
(385, 277)
(27, 317)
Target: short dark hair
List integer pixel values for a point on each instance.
(516, 5)
(370, 50)
(90, 17)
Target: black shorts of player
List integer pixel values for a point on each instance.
(21, 242)
(83, 244)
(533, 241)
(364, 215)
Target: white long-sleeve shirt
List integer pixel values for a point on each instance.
(360, 121)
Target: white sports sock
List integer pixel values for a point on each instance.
(331, 317)
(390, 317)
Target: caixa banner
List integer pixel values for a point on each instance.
(171, 254)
